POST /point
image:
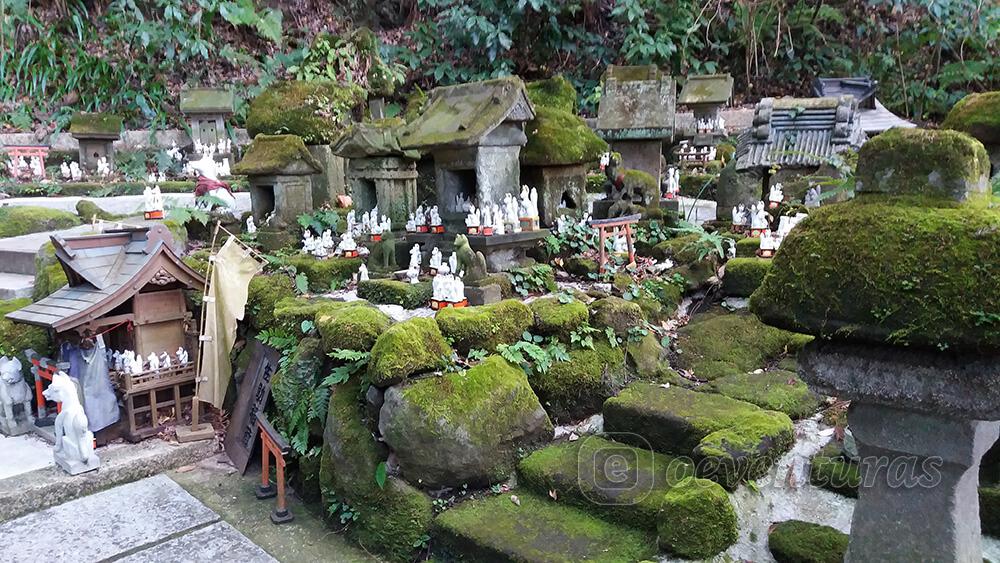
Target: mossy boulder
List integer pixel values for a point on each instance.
(290, 312)
(700, 186)
(615, 313)
(49, 273)
(394, 292)
(732, 441)
(682, 249)
(16, 338)
(639, 182)
(270, 155)
(668, 294)
(552, 317)
(645, 355)
(556, 93)
(747, 247)
(498, 279)
(744, 275)
(324, 274)
(727, 344)
(560, 138)
(978, 115)
(355, 327)
(17, 220)
(576, 388)
(697, 519)
(264, 292)
(484, 327)
(584, 473)
(198, 260)
(932, 163)
(315, 110)
(777, 390)
(581, 267)
(536, 529)
(794, 541)
(830, 470)
(87, 210)
(408, 348)
(989, 510)
(463, 427)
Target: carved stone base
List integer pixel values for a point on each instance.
(482, 295)
(20, 426)
(76, 467)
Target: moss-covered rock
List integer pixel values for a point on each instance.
(408, 348)
(583, 473)
(669, 295)
(747, 247)
(559, 138)
(697, 519)
(615, 313)
(415, 103)
(87, 210)
(794, 541)
(17, 220)
(465, 427)
(556, 93)
(581, 267)
(498, 279)
(536, 529)
(700, 186)
(639, 182)
(978, 115)
(744, 275)
(933, 163)
(315, 110)
(394, 292)
(84, 124)
(697, 274)
(682, 249)
(270, 155)
(198, 260)
(576, 388)
(49, 273)
(290, 312)
(16, 338)
(778, 390)
(989, 510)
(484, 327)
(645, 355)
(830, 470)
(351, 328)
(727, 344)
(326, 273)
(732, 441)
(264, 292)
(552, 317)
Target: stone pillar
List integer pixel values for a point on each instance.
(331, 180)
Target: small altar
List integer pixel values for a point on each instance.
(502, 252)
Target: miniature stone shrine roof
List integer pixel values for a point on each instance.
(277, 155)
(462, 115)
(95, 126)
(875, 117)
(637, 103)
(207, 100)
(799, 132)
(707, 89)
(379, 138)
(104, 271)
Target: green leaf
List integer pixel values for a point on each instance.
(269, 26)
(380, 475)
(307, 326)
(301, 283)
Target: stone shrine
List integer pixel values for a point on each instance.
(96, 133)
(706, 95)
(207, 110)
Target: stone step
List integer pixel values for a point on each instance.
(15, 286)
(732, 441)
(18, 261)
(537, 529)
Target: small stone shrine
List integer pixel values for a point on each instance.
(636, 114)
(706, 95)
(278, 169)
(96, 133)
(380, 173)
(875, 118)
(475, 133)
(207, 110)
(918, 364)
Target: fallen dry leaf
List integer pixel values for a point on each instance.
(185, 468)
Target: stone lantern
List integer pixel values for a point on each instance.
(96, 133)
(899, 287)
(207, 110)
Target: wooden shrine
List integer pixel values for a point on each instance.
(128, 285)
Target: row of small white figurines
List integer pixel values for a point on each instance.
(709, 124)
(16, 167)
(688, 152)
(447, 285)
(130, 363)
(503, 216)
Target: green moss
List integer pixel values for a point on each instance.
(290, 312)
(393, 292)
(265, 291)
(557, 138)
(698, 521)
(17, 220)
(667, 294)
(16, 338)
(583, 473)
(276, 154)
(615, 313)
(101, 124)
(637, 181)
(416, 101)
(835, 473)
(725, 151)
(540, 278)
(554, 318)
(744, 275)
(351, 328)
(86, 189)
(747, 247)
(934, 163)
(536, 529)
(732, 344)
(324, 274)
(556, 93)
(645, 355)
(315, 110)
(989, 510)
(500, 280)
(581, 267)
(701, 186)
(49, 274)
(923, 284)
(577, 387)
(682, 249)
(484, 327)
(733, 441)
(198, 261)
(794, 541)
(780, 391)
(405, 349)
(978, 115)
(87, 210)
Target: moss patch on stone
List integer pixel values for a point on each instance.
(498, 279)
(87, 210)
(556, 93)
(576, 388)
(933, 163)
(681, 250)
(314, 110)
(555, 318)
(615, 313)
(645, 355)
(394, 292)
(580, 266)
(744, 275)
(484, 327)
(779, 390)
(637, 181)
(697, 519)
(978, 115)
(17, 220)
(794, 541)
(354, 327)
(581, 474)
(559, 138)
(989, 510)
(290, 312)
(264, 292)
(276, 154)
(326, 273)
(405, 349)
(16, 338)
(924, 282)
(536, 529)
(49, 273)
(747, 247)
(85, 124)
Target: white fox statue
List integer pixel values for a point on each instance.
(74, 449)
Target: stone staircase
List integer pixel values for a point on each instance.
(17, 260)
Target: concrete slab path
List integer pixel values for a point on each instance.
(118, 205)
(22, 454)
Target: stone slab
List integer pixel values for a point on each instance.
(105, 524)
(216, 542)
(22, 454)
(131, 140)
(119, 205)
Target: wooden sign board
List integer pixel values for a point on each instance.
(252, 399)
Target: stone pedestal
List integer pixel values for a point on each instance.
(75, 466)
(331, 180)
